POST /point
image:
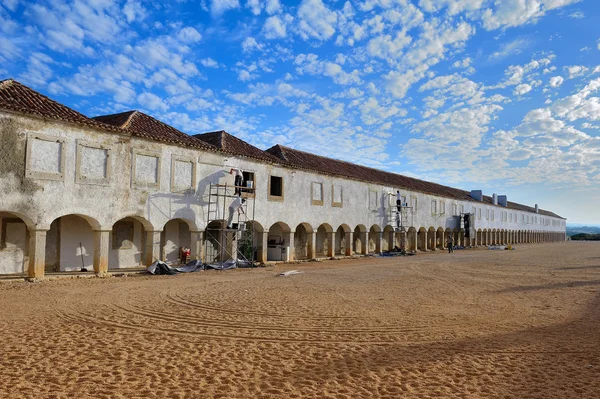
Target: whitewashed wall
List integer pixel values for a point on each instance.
(90, 173)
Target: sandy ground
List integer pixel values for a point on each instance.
(473, 324)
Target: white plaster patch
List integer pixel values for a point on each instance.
(183, 175)
(46, 156)
(146, 169)
(94, 163)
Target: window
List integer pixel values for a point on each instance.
(487, 214)
(413, 203)
(442, 207)
(455, 209)
(337, 195)
(493, 214)
(462, 209)
(250, 183)
(433, 207)
(276, 188)
(479, 213)
(316, 193)
(122, 235)
(372, 200)
(510, 217)
(93, 163)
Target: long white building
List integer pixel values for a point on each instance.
(121, 190)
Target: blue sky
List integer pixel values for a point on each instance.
(498, 95)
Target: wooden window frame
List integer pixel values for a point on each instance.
(277, 198)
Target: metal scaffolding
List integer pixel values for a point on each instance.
(399, 219)
(235, 245)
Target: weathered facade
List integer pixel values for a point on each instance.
(122, 190)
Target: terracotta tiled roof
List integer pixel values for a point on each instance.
(19, 98)
(305, 160)
(141, 125)
(231, 144)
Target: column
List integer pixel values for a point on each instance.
(101, 248)
(152, 247)
(262, 239)
(196, 245)
(311, 239)
(291, 249)
(349, 238)
(37, 254)
(330, 237)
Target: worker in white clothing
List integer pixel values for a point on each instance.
(239, 180)
(236, 205)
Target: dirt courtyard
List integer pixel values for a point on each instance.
(473, 324)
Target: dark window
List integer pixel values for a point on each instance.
(276, 189)
(249, 182)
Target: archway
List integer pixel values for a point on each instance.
(359, 243)
(303, 241)
(127, 242)
(375, 239)
(70, 243)
(479, 237)
(440, 238)
(411, 239)
(324, 244)
(278, 243)
(14, 244)
(343, 245)
(387, 239)
(175, 236)
(431, 239)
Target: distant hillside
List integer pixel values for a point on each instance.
(572, 230)
(585, 237)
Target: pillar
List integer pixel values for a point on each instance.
(152, 247)
(101, 248)
(196, 245)
(311, 240)
(37, 254)
(291, 252)
(262, 239)
(349, 238)
(330, 237)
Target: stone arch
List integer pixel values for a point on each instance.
(440, 238)
(14, 245)
(431, 239)
(303, 241)
(375, 239)
(127, 242)
(343, 240)
(479, 237)
(176, 234)
(359, 240)
(71, 243)
(325, 241)
(387, 239)
(278, 242)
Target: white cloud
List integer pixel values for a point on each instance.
(316, 20)
(556, 81)
(597, 69)
(575, 70)
(577, 14)
(508, 13)
(506, 49)
(134, 11)
(310, 64)
(152, 102)
(189, 35)
(250, 43)
(274, 28)
(218, 7)
(387, 48)
(209, 63)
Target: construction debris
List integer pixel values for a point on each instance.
(289, 273)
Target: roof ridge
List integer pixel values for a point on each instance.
(130, 118)
(6, 82)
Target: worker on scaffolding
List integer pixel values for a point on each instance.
(239, 180)
(398, 209)
(236, 205)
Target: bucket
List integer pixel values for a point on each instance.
(249, 184)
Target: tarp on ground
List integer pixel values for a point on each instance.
(159, 268)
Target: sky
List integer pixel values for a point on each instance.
(497, 95)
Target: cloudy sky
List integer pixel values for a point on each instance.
(498, 95)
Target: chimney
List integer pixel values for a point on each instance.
(495, 199)
(537, 210)
(477, 195)
(502, 200)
